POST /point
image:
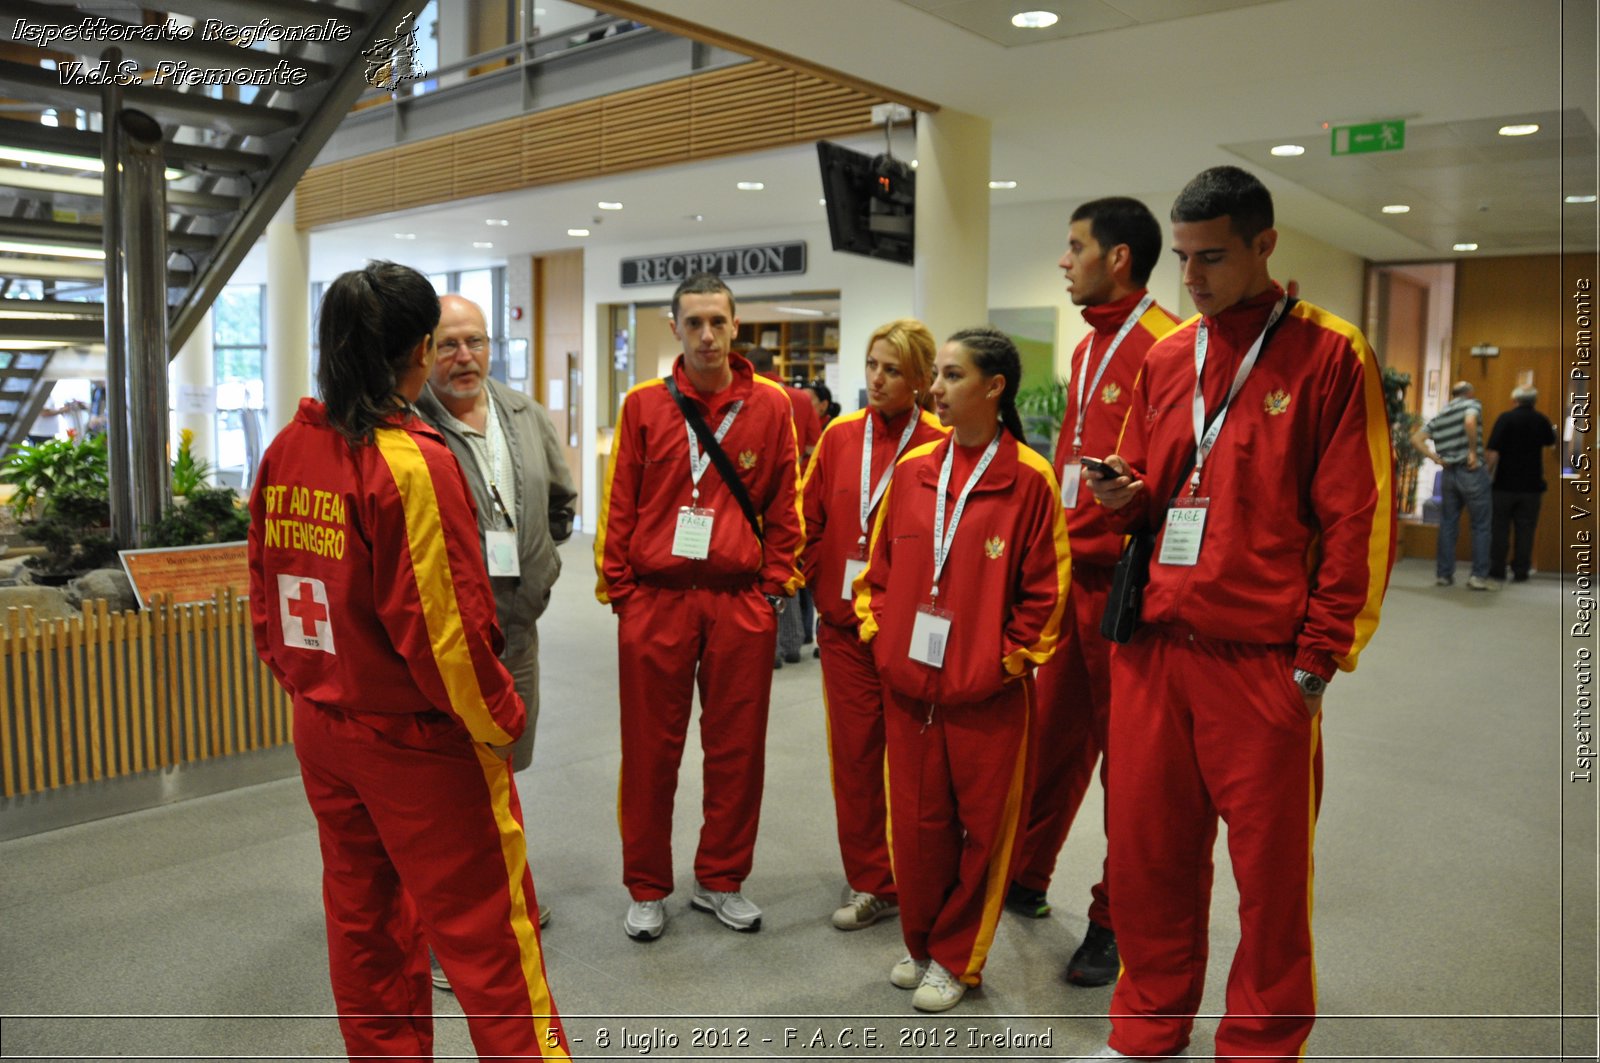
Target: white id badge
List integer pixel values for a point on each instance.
(930, 634)
(693, 536)
(1186, 522)
(1071, 480)
(500, 553)
(852, 569)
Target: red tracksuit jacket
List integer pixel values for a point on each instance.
(1005, 580)
(1300, 533)
(833, 499)
(367, 585)
(647, 481)
(1095, 540)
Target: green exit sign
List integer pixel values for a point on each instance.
(1373, 136)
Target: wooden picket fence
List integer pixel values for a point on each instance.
(110, 694)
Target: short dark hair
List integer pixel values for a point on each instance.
(370, 322)
(702, 284)
(1123, 220)
(1226, 191)
(761, 359)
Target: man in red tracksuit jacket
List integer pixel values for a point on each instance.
(1112, 246)
(1270, 568)
(696, 592)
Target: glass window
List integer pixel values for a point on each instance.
(238, 341)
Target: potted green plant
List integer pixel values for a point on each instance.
(63, 503)
(1402, 423)
(1042, 407)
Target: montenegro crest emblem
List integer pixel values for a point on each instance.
(994, 547)
(1276, 403)
(747, 459)
(1110, 393)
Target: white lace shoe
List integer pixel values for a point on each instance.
(940, 990)
(645, 920)
(732, 909)
(907, 974)
(1111, 1053)
(861, 910)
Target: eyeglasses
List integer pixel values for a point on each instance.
(474, 344)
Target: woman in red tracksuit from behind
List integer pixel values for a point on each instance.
(961, 599)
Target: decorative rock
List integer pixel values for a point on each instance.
(49, 603)
(13, 572)
(108, 583)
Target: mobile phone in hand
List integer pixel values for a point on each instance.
(1099, 468)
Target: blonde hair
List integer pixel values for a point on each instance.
(914, 343)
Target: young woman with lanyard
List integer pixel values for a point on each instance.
(961, 600)
(846, 479)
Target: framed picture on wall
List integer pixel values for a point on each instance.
(1433, 383)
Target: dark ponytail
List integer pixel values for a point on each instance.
(994, 354)
(369, 323)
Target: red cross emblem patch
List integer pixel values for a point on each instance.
(303, 610)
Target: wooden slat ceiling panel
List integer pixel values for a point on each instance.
(426, 166)
(638, 129)
(561, 145)
(368, 186)
(488, 159)
(318, 197)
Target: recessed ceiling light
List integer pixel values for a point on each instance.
(1521, 130)
(1034, 20)
(606, 204)
(577, 232)
(1002, 184)
(1396, 208)
(694, 217)
(913, 164)
(482, 243)
(824, 202)
(1288, 151)
(1464, 247)
(405, 236)
(1580, 199)
(496, 221)
(750, 186)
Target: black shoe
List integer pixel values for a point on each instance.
(1024, 901)
(792, 658)
(1095, 963)
(816, 651)
(1516, 578)
(777, 662)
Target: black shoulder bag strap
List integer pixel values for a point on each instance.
(719, 457)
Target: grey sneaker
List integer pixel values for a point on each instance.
(1442, 581)
(1478, 583)
(544, 916)
(940, 990)
(439, 980)
(1111, 1053)
(861, 910)
(907, 974)
(645, 920)
(731, 909)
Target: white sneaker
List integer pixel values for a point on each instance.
(438, 975)
(1478, 583)
(645, 920)
(861, 910)
(732, 909)
(1111, 1053)
(940, 990)
(907, 974)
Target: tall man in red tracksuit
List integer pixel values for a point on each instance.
(1257, 449)
(697, 590)
(1112, 245)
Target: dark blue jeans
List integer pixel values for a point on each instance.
(1470, 489)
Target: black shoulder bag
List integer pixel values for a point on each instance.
(1128, 579)
(719, 457)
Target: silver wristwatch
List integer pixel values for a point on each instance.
(1310, 684)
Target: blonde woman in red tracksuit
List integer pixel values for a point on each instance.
(845, 482)
(961, 600)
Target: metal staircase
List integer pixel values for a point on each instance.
(233, 151)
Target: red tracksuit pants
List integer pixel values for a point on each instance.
(1071, 718)
(421, 834)
(670, 642)
(852, 698)
(1202, 728)
(958, 778)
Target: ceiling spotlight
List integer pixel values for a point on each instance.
(1522, 130)
(496, 221)
(1396, 208)
(1464, 247)
(694, 217)
(405, 236)
(606, 204)
(824, 202)
(482, 244)
(1288, 151)
(750, 186)
(1580, 199)
(1002, 184)
(1034, 20)
(577, 232)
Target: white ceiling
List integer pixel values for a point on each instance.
(1138, 109)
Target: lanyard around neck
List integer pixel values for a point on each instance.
(942, 538)
(869, 502)
(1206, 437)
(697, 460)
(1105, 360)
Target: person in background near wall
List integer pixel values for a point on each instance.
(1256, 452)
(844, 484)
(48, 424)
(1516, 459)
(521, 486)
(961, 599)
(1112, 245)
(822, 402)
(371, 606)
(697, 589)
(1454, 439)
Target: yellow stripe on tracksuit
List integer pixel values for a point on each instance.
(1016, 662)
(601, 591)
(514, 850)
(994, 890)
(863, 591)
(436, 589)
(792, 585)
(1311, 859)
